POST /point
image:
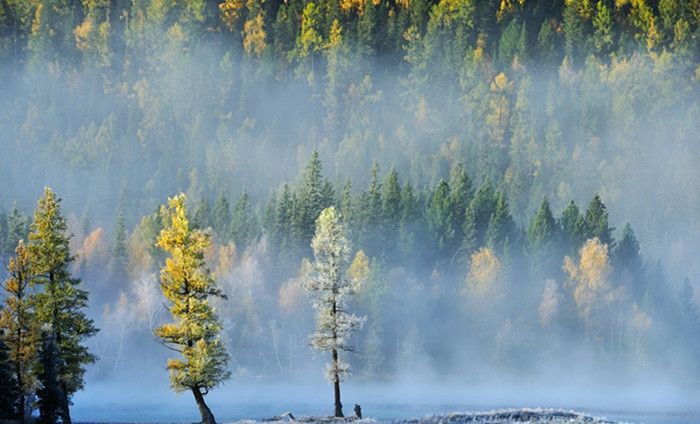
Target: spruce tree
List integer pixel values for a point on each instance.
(222, 218)
(440, 220)
(19, 331)
(119, 260)
(17, 229)
(573, 228)
(541, 241)
(244, 227)
(477, 218)
(8, 383)
(188, 286)
(51, 393)
(59, 304)
(596, 222)
(501, 231)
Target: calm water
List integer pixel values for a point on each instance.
(137, 403)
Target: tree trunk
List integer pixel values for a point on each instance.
(207, 416)
(64, 407)
(336, 386)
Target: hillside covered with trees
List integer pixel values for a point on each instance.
(517, 179)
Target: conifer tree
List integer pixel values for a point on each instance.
(60, 303)
(500, 234)
(19, 331)
(221, 217)
(541, 240)
(16, 230)
(596, 222)
(244, 227)
(310, 196)
(119, 260)
(477, 218)
(440, 219)
(51, 395)
(573, 228)
(329, 283)
(8, 384)
(188, 286)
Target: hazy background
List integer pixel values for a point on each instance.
(167, 103)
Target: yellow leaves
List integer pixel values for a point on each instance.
(349, 5)
(231, 11)
(359, 270)
(94, 249)
(501, 84)
(507, 7)
(484, 271)
(499, 105)
(590, 277)
(82, 32)
(254, 36)
(335, 36)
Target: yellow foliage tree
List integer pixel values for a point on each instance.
(254, 36)
(188, 286)
(484, 272)
(590, 279)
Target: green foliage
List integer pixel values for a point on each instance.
(596, 222)
(60, 303)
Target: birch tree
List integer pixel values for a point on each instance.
(330, 286)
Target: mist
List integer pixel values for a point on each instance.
(463, 312)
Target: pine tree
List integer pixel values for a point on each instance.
(461, 194)
(573, 228)
(477, 218)
(310, 196)
(541, 240)
(188, 286)
(391, 211)
(17, 229)
(501, 231)
(244, 227)
(60, 303)
(51, 393)
(8, 383)
(440, 220)
(221, 217)
(19, 331)
(119, 260)
(596, 222)
(329, 283)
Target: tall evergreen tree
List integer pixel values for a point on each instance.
(51, 393)
(19, 332)
(221, 217)
(8, 384)
(573, 228)
(60, 303)
(119, 261)
(440, 220)
(541, 240)
(244, 227)
(477, 218)
(596, 222)
(17, 229)
(188, 286)
(501, 231)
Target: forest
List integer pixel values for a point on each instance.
(515, 180)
